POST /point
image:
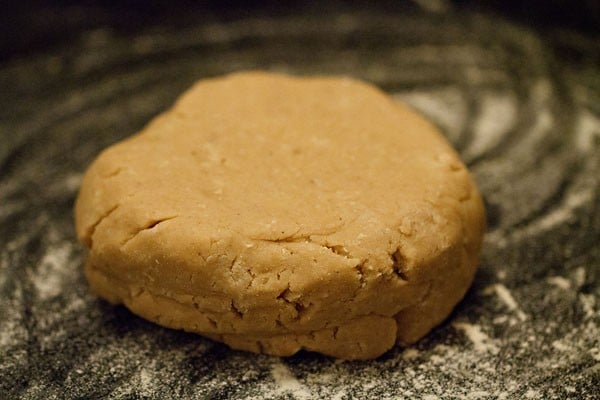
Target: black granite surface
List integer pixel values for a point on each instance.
(520, 102)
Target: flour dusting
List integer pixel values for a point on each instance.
(588, 304)
(559, 282)
(481, 342)
(489, 128)
(588, 129)
(410, 354)
(506, 297)
(560, 346)
(446, 107)
(339, 395)
(286, 382)
(579, 277)
(563, 213)
(148, 380)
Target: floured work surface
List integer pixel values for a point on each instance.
(527, 130)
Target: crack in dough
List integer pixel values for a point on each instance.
(149, 226)
(88, 237)
(399, 265)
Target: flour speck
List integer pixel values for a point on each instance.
(286, 382)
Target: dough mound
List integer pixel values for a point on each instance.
(277, 213)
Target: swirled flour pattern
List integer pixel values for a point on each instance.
(525, 119)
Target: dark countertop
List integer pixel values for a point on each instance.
(519, 102)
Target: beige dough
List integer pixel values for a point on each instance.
(278, 213)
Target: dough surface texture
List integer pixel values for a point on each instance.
(277, 213)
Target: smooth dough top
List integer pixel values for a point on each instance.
(265, 206)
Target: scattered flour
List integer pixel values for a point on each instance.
(561, 214)
(481, 342)
(410, 354)
(286, 382)
(579, 277)
(447, 107)
(501, 274)
(532, 394)
(588, 127)
(560, 346)
(72, 182)
(595, 353)
(339, 395)
(53, 272)
(559, 282)
(8, 208)
(497, 116)
(588, 303)
(147, 380)
(478, 394)
(12, 330)
(506, 297)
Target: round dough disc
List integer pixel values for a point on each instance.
(278, 213)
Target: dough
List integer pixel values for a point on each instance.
(277, 213)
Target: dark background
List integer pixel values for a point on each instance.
(29, 26)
